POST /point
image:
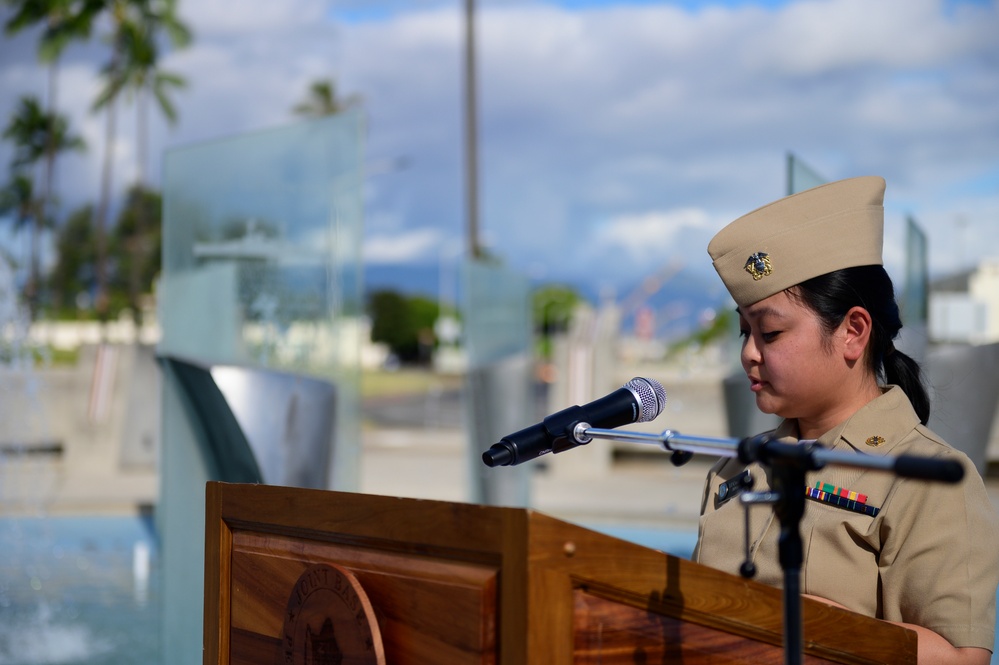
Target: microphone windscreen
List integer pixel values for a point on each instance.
(651, 397)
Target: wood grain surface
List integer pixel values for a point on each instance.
(453, 583)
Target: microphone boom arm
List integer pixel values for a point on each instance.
(762, 448)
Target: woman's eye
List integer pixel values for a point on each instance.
(765, 336)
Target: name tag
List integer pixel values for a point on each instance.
(734, 487)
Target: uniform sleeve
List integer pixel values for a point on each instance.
(939, 562)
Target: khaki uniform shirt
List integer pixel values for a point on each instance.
(930, 556)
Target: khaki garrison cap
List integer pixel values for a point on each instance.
(811, 233)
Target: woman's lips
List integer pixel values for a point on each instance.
(755, 384)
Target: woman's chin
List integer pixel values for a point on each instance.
(765, 404)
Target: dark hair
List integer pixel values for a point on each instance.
(832, 295)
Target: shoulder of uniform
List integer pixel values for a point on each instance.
(927, 443)
(925, 438)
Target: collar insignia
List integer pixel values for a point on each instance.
(875, 441)
(758, 265)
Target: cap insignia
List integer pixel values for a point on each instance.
(758, 265)
(875, 441)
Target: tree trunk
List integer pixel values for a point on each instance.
(138, 244)
(46, 204)
(104, 203)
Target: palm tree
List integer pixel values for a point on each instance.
(28, 129)
(138, 70)
(132, 67)
(35, 135)
(135, 247)
(17, 198)
(322, 101)
(73, 273)
(64, 21)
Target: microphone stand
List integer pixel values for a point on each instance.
(789, 463)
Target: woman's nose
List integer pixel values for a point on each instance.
(750, 351)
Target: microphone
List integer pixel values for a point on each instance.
(638, 401)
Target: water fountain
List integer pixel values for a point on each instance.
(73, 588)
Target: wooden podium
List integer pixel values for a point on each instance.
(449, 583)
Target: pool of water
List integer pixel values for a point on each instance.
(78, 590)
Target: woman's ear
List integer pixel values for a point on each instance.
(856, 328)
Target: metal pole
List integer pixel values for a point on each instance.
(471, 136)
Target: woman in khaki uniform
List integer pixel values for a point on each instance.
(817, 313)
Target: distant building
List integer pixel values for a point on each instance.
(964, 308)
(984, 287)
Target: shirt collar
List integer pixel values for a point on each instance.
(868, 429)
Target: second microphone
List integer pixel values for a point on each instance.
(638, 401)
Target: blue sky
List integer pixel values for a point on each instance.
(377, 10)
(615, 137)
(365, 10)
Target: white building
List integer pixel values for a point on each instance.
(965, 309)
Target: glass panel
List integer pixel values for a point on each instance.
(497, 313)
(261, 270)
(262, 254)
(800, 176)
(915, 290)
(497, 334)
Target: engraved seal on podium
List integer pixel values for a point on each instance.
(329, 621)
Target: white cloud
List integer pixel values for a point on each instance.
(649, 235)
(211, 18)
(417, 245)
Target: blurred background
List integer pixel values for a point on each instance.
(349, 244)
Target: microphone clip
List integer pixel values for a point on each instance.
(566, 429)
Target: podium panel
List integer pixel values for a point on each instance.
(424, 604)
(608, 633)
(433, 582)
